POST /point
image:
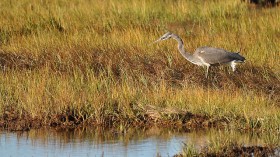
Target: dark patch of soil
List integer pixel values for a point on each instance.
(15, 121)
(264, 3)
(234, 150)
(10, 60)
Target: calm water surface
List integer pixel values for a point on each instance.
(110, 142)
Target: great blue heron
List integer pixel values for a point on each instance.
(206, 56)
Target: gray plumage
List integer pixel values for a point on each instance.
(206, 56)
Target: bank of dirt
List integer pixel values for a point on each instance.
(13, 120)
(233, 150)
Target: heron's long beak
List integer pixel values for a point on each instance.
(155, 41)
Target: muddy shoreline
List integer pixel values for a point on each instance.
(12, 120)
(233, 150)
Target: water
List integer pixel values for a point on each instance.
(109, 142)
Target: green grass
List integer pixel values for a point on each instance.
(94, 58)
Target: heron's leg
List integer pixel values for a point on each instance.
(207, 69)
(233, 64)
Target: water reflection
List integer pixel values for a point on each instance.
(114, 142)
(91, 142)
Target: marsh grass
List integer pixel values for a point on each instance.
(92, 59)
(231, 143)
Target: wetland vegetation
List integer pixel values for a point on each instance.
(68, 64)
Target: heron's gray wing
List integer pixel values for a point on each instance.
(214, 56)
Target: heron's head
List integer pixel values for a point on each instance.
(164, 37)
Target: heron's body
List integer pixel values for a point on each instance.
(206, 56)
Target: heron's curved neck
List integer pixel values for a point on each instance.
(181, 49)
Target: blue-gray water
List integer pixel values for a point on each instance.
(107, 142)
